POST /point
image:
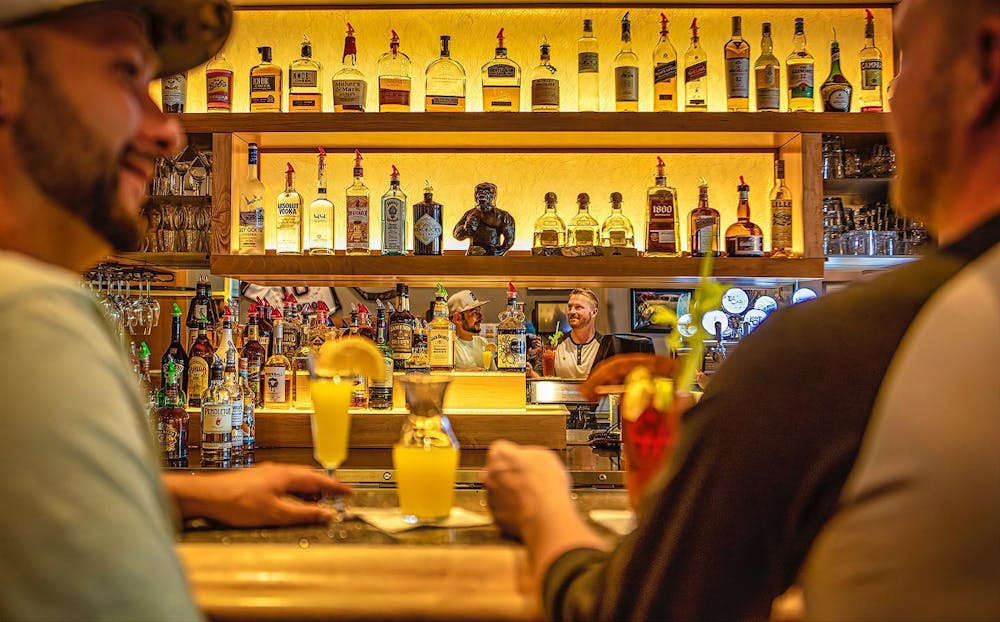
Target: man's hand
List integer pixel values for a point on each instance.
(255, 497)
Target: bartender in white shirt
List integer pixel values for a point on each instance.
(575, 354)
(467, 316)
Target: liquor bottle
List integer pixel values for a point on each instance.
(511, 336)
(172, 419)
(441, 337)
(617, 229)
(588, 70)
(737, 55)
(394, 79)
(319, 330)
(781, 214)
(695, 74)
(301, 396)
(418, 362)
(401, 326)
(836, 92)
(319, 218)
(626, 72)
(145, 382)
(173, 94)
(249, 413)
(288, 225)
(870, 96)
(583, 229)
(216, 422)
(544, 83)
(743, 237)
(357, 212)
(550, 230)
(664, 71)
(226, 341)
(266, 324)
(501, 81)
(663, 237)
(350, 89)
(428, 227)
(304, 79)
(277, 373)
(252, 207)
(445, 82)
(219, 84)
(231, 382)
(255, 355)
(767, 70)
(365, 327)
(801, 72)
(201, 358)
(200, 305)
(291, 325)
(703, 223)
(265, 84)
(175, 351)
(380, 391)
(394, 217)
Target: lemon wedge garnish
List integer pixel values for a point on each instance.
(351, 356)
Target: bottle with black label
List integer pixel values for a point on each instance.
(664, 71)
(588, 70)
(428, 229)
(663, 237)
(265, 84)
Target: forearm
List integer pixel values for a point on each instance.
(192, 495)
(555, 532)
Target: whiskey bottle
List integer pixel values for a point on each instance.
(265, 84)
(743, 237)
(173, 94)
(175, 351)
(350, 89)
(703, 222)
(544, 83)
(394, 79)
(251, 232)
(201, 358)
(836, 92)
(583, 229)
(249, 414)
(501, 81)
(801, 72)
(304, 91)
(695, 74)
(441, 337)
(870, 96)
(219, 84)
(737, 55)
(588, 70)
(781, 214)
(418, 363)
(231, 382)
(357, 212)
(255, 355)
(445, 82)
(401, 326)
(202, 306)
(172, 420)
(319, 218)
(664, 71)
(767, 70)
(216, 422)
(617, 230)
(626, 72)
(550, 230)
(511, 336)
(288, 225)
(662, 229)
(277, 373)
(428, 228)
(394, 217)
(380, 391)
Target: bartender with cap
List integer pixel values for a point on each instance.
(467, 316)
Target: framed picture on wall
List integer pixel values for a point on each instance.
(550, 316)
(645, 302)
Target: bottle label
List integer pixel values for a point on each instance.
(545, 92)
(237, 421)
(274, 384)
(800, 81)
(627, 84)
(350, 94)
(738, 77)
(745, 245)
(401, 340)
(584, 237)
(357, 223)
(217, 419)
(252, 225)
(427, 229)
(253, 376)
(197, 378)
(167, 436)
(662, 227)
(665, 72)
(393, 92)
(781, 223)
(386, 382)
(305, 102)
(303, 78)
(696, 71)
(617, 238)
(302, 393)
(588, 62)
(500, 71)
(871, 74)
(704, 235)
(392, 225)
(320, 229)
(290, 339)
(768, 88)
(661, 206)
(839, 99)
(263, 84)
(443, 100)
(511, 351)
(200, 311)
(440, 349)
(288, 227)
(219, 88)
(549, 238)
(174, 91)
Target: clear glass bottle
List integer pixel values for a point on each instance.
(870, 96)
(251, 227)
(350, 89)
(428, 226)
(836, 91)
(394, 217)
(588, 70)
(550, 229)
(231, 382)
(216, 421)
(626, 72)
(288, 226)
(319, 218)
(695, 74)
(401, 327)
(801, 72)
(219, 84)
(511, 336)
(265, 84)
(703, 223)
(617, 229)
(544, 83)
(304, 80)
(583, 229)
(767, 70)
(277, 373)
(501, 81)
(737, 56)
(664, 71)
(441, 337)
(663, 236)
(380, 391)
(781, 214)
(445, 82)
(173, 92)
(394, 79)
(249, 414)
(744, 238)
(358, 196)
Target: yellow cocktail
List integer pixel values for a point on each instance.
(425, 477)
(331, 421)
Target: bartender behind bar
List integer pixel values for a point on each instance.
(467, 316)
(577, 352)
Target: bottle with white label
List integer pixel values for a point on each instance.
(501, 81)
(588, 70)
(870, 96)
(801, 72)
(251, 227)
(350, 89)
(664, 71)
(767, 71)
(703, 223)
(544, 83)
(277, 374)
(357, 211)
(394, 217)
(288, 223)
(216, 421)
(173, 95)
(737, 55)
(428, 229)
(304, 79)
(319, 218)
(781, 214)
(695, 74)
(626, 72)
(744, 238)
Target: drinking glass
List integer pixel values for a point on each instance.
(331, 423)
(549, 361)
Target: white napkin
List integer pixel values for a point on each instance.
(622, 522)
(391, 521)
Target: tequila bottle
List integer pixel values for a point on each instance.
(255, 355)
(428, 229)
(511, 336)
(767, 70)
(277, 372)
(288, 225)
(173, 92)
(350, 89)
(664, 71)
(216, 421)
(401, 326)
(703, 222)
(304, 91)
(175, 351)
(801, 72)
(394, 79)
(544, 83)
(583, 229)
(626, 72)
(870, 96)
(836, 92)
(172, 419)
(501, 81)
(219, 84)
(662, 227)
(231, 382)
(743, 237)
(201, 358)
(319, 218)
(357, 211)
(617, 229)
(380, 391)
(550, 230)
(445, 82)
(695, 74)
(737, 55)
(588, 70)
(441, 337)
(394, 217)
(265, 84)
(781, 214)
(251, 232)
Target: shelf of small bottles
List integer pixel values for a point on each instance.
(568, 131)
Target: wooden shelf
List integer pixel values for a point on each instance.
(387, 4)
(168, 260)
